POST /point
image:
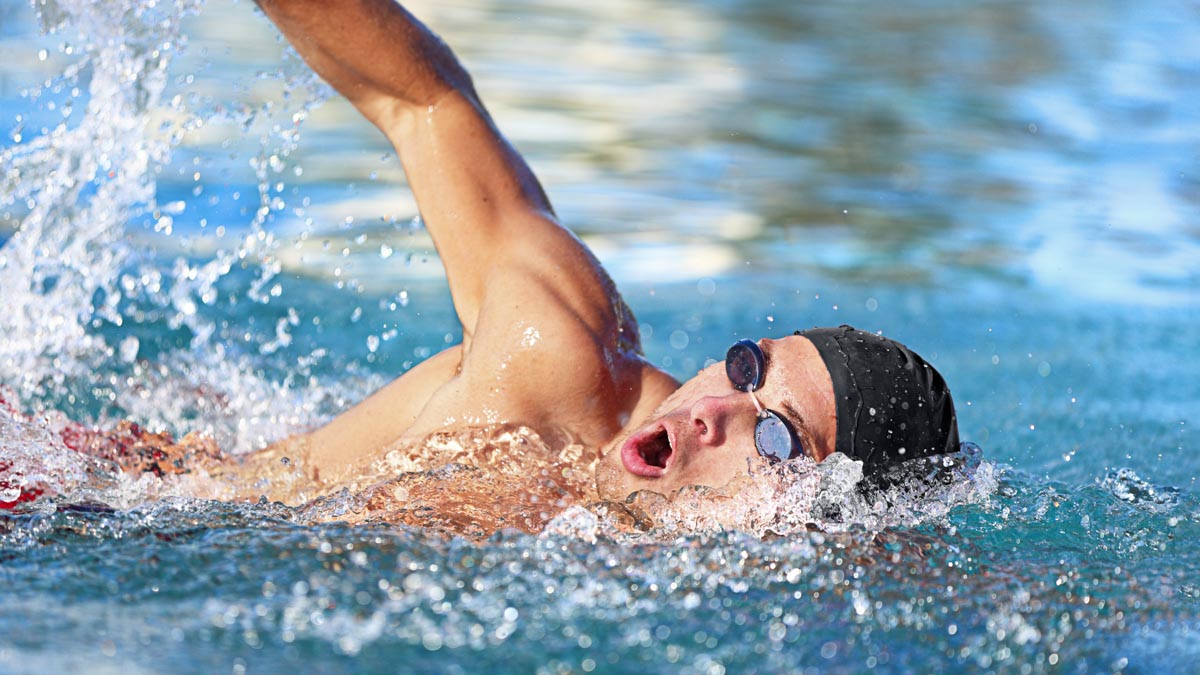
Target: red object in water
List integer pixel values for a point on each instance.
(126, 445)
(4, 401)
(26, 494)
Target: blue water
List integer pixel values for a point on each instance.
(1009, 188)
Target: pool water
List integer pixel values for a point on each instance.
(198, 236)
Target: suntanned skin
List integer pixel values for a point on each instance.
(547, 340)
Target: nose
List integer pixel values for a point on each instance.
(710, 417)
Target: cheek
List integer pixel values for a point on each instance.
(719, 468)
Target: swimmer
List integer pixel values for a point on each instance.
(548, 343)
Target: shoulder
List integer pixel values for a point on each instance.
(552, 362)
(551, 284)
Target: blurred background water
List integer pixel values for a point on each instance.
(1009, 188)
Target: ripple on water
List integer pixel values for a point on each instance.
(254, 577)
(997, 571)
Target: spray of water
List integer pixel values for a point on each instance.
(75, 285)
(81, 182)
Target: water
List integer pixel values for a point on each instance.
(208, 244)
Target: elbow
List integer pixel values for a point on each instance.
(399, 116)
(440, 77)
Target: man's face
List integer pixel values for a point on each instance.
(703, 433)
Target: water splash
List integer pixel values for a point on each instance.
(81, 183)
(801, 495)
(34, 461)
(77, 289)
(1125, 484)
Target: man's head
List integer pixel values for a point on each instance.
(839, 389)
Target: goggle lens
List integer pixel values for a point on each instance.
(773, 439)
(744, 365)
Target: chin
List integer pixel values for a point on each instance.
(611, 479)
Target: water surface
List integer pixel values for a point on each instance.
(1009, 188)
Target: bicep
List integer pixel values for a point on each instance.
(483, 206)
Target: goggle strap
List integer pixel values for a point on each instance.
(757, 405)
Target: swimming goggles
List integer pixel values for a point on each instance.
(773, 436)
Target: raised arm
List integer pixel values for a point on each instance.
(547, 341)
(480, 202)
(377, 54)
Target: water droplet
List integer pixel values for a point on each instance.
(129, 349)
(372, 343)
(385, 251)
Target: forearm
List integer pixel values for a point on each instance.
(374, 52)
(137, 451)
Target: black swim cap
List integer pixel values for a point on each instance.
(892, 406)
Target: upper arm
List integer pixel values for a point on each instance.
(481, 203)
(483, 206)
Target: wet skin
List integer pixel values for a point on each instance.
(548, 342)
(703, 433)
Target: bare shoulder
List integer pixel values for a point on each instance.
(554, 349)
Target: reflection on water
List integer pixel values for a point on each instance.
(1042, 142)
(1045, 143)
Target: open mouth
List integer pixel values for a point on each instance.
(648, 453)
